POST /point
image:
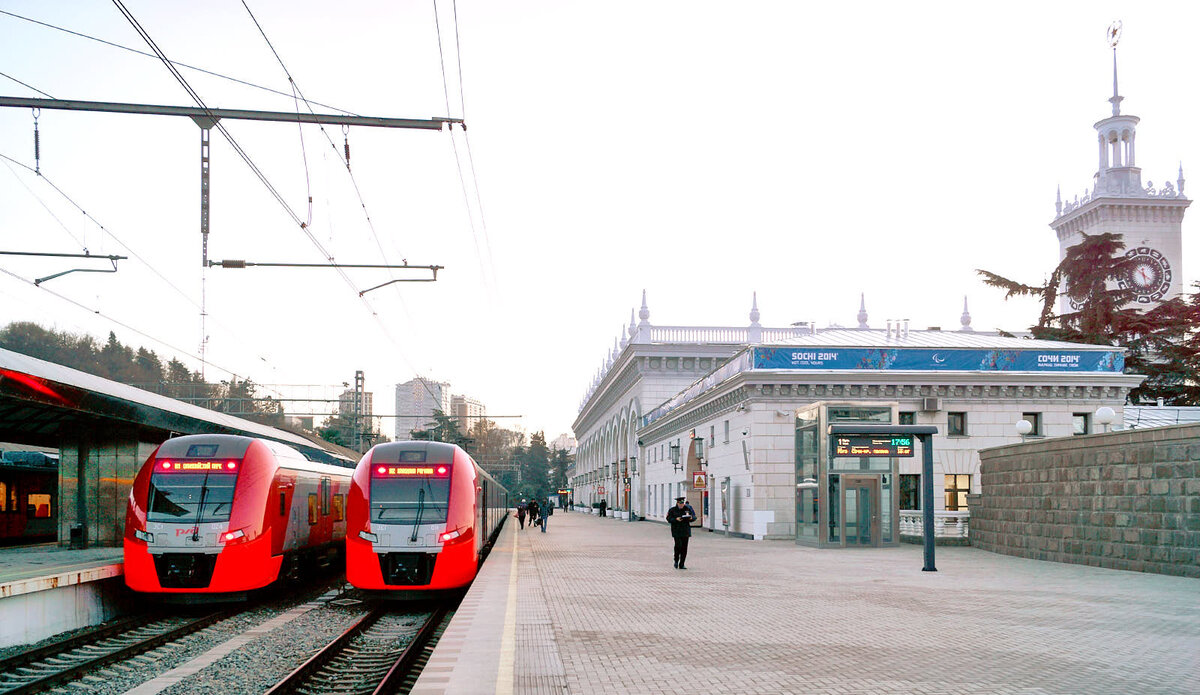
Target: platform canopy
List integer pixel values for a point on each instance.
(42, 403)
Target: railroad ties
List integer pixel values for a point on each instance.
(70, 659)
(377, 654)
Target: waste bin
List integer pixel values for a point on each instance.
(78, 537)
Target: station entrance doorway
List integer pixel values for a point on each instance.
(844, 501)
(860, 500)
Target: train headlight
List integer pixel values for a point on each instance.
(450, 535)
(368, 536)
(232, 535)
(144, 536)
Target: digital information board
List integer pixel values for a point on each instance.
(900, 446)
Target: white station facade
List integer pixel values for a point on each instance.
(735, 419)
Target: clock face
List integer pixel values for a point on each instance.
(1149, 274)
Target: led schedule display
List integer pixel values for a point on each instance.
(873, 445)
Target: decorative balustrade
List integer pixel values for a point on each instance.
(945, 524)
(698, 334)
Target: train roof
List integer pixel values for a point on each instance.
(235, 446)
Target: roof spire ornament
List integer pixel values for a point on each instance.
(644, 314)
(754, 311)
(1114, 36)
(965, 319)
(862, 311)
(1058, 201)
(1180, 181)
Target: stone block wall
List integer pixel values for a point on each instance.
(1126, 500)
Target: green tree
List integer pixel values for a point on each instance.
(1161, 343)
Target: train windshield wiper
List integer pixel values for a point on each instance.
(417, 518)
(200, 509)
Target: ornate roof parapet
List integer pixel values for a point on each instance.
(643, 327)
(1168, 191)
(862, 311)
(754, 334)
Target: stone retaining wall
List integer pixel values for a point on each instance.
(1125, 500)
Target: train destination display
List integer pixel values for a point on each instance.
(873, 445)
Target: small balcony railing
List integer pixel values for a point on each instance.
(945, 524)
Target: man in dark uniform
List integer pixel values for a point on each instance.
(680, 517)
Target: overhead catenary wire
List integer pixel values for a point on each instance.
(122, 324)
(479, 253)
(82, 242)
(152, 267)
(151, 55)
(370, 224)
(26, 85)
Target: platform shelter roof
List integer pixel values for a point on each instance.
(42, 403)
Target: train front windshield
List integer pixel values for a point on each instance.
(409, 500)
(189, 496)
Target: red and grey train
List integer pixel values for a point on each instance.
(420, 514)
(225, 514)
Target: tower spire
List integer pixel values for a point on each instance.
(862, 311)
(1114, 35)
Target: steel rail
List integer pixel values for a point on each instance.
(73, 672)
(415, 649)
(99, 632)
(342, 661)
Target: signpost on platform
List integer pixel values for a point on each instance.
(890, 441)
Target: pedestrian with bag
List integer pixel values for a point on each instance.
(535, 512)
(522, 510)
(680, 518)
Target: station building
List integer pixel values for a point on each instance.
(735, 419)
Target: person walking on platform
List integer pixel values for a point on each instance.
(680, 517)
(522, 510)
(546, 514)
(603, 507)
(534, 512)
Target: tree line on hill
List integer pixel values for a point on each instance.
(141, 368)
(528, 469)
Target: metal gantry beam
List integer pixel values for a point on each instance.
(435, 123)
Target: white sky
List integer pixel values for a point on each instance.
(699, 150)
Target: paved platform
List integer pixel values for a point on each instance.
(45, 590)
(594, 606)
(39, 567)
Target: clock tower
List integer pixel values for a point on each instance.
(1148, 218)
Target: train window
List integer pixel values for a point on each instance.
(312, 508)
(39, 506)
(193, 497)
(339, 507)
(3, 497)
(416, 500)
(282, 504)
(326, 491)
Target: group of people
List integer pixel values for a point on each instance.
(680, 517)
(537, 514)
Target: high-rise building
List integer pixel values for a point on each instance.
(1148, 218)
(467, 411)
(366, 410)
(416, 400)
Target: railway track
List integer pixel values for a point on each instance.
(381, 653)
(62, 662)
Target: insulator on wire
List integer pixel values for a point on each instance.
(37, 146)
(346, 140)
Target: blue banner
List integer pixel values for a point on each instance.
(925, 360)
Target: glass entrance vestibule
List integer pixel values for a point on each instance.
(844, 501)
